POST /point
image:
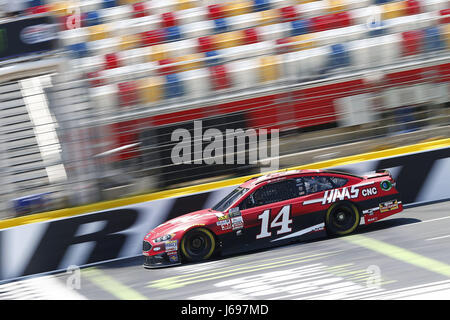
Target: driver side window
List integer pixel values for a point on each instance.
(271, 193)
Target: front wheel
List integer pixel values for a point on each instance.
(342, 219)
(198, 244)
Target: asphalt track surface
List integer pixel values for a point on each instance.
(405, 256)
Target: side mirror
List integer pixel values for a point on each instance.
(234, 212)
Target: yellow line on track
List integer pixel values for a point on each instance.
(400, 254)
(111, 285)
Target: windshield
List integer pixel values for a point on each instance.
(230, 199)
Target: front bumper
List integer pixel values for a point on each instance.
(162, 260)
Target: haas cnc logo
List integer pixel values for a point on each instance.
(331, 196)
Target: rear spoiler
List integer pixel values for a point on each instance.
(379, 173)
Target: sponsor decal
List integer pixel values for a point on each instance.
(346, 193)
(237, 223)
(224, 217)
(388, 206)
(224, 224)
(172, 245)
(234, 212)
(173, 256)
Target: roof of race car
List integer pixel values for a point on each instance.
(283, 174)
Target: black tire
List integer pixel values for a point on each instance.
(198, 244)
(342, 219)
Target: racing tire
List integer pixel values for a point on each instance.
(198, 244)
(342, 219)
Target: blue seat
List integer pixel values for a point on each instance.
(211, 58)
(220, 25)
(92, 18)
(376, 28)
(109, 3)
(339, 56)
(79, 50)
(173, 86)
(173, 33)
(261, 5)
(433, 39)
(299, 27)
(382, 1)
(34, 3)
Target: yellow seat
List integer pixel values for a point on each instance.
(267, 17)
(185, 4)
(150, 89)
(124, 2)
(98, 32)
(189, 62)
(62, 8)
(157, 52)
(235, 8)
(393, 10)
(302, 42)
(336, 5)
(129, 41)
(227, 39)
(269, 68)
(446, 34)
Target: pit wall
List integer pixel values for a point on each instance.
(53, 241)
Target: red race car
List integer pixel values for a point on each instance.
(274, 209)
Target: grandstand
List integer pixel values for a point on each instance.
(88, 116)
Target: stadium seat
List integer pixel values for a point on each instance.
(189, 62)
(98, 32)
(173, 33)
(339, 56)
(79, 50)
(413, 7)
(393, 10)
(152, 37)
(219, 77)
(215, 11)
(250, 35)
(445, 14)
(151, 89)
(288, 13)
(168, 19)
(302, 42)
(267, 17)
(139, 9)
(261, 5)
(446, 34)
(91, 19)
(299, 27)
(173, 86)
(333, 6)
(205, 44)
(128, 93)
(412, 42)
(236, 7)
(433, 39)
(109, 3)
(211, 58)
(167, 66)
(111, 61)
(220, 25)
(227, 40)
(269, 68)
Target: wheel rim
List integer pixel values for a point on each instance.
(198, 245)
(342, 219)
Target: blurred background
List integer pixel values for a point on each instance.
(91, 90)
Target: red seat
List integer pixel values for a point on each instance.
(288, 13)
(411, 42)
(250, 36)
(215, 11)
(341, 20)
(205, 44)
(283, 45)
(322, 23)
(445, 16)
(166, 67)
(128, 93)
(219, 77)
(139, 10)
(168, 20)
(37, 10)
(111, 61)
(94, 79)
(413, 7)
(152, 37)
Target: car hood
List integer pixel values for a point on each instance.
(200, 217)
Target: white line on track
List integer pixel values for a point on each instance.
(438, 238)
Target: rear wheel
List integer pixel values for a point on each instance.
(198, 244)
(342, 219)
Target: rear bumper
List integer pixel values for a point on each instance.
(162, 260)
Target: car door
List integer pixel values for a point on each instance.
(266, 214)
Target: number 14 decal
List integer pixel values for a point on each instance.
(281, 220)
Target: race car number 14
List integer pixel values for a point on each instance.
(281, 220)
